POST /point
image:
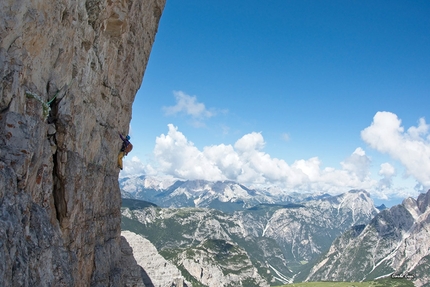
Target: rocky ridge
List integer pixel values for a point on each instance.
(196, 241)
(394, 243)
(272, 239)
(304, 233)
(160, 272)
(222, 195)
(69, 74)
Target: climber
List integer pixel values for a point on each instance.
(125, 149)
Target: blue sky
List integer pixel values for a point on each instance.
(307, 95)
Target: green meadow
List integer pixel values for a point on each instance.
(388, 282)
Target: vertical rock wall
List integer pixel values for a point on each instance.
(69, 74)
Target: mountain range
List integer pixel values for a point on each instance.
(227, 196)
(276, 239)
(396, 243)
(226, 234)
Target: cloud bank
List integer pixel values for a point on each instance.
(411, 148)
(247, 163)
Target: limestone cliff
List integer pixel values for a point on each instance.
(395, 243)
(69, 74)
(161, 271)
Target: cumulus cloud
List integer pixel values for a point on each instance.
(247, 163)
(188, 105)
(387, 171)
(177, 156)
(358, 163)
(411, 147)
(250, 143)
(133, 166)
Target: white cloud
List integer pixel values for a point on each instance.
(411, 148)
(416, 133)
(358, 163)
(224, 157)
(250, 143)
(188, 104)
(247, 163)
(177, 156)
(133, 167)
(387, 172)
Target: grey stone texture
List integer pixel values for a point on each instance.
(69, 73)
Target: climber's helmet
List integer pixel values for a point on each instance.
(127, 137)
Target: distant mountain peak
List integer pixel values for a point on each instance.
(423, 201)
(381, 207)
(229, 195)
(396, 241)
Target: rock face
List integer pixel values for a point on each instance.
(69, 74)
(199, 242)
(160, 271)
(396, 242)
(304, 233)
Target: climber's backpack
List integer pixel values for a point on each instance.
(128, 148)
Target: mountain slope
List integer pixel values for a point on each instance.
(396, 241)
(148, 258)
(198, 242)
(305, 231)
(277, 240)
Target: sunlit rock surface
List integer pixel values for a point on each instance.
(160, 271)
(69, 74)
(395, 243)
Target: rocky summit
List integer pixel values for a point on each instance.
(69, 74)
